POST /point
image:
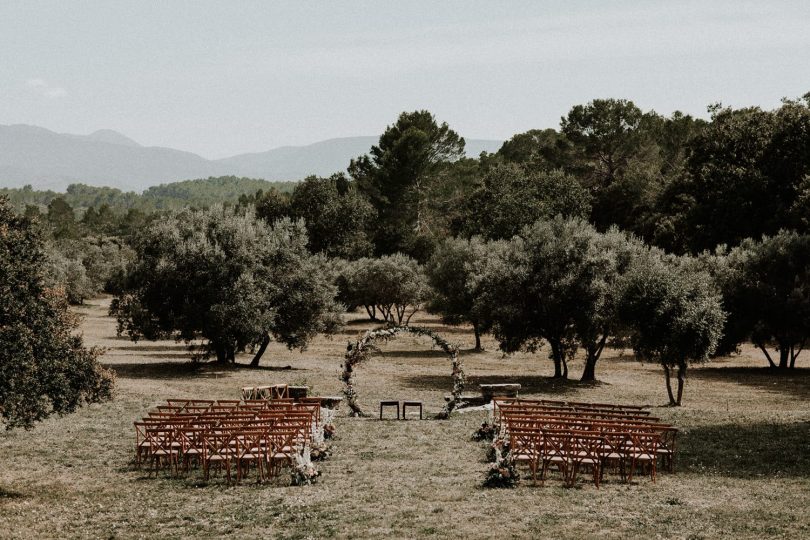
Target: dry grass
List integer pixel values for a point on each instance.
(744, 468)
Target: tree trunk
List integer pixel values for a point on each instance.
(589, 373)
(477, 333)
(594, 352)
(231, 354)
(681, 381)
(794, 354)
(411, 314)
(557, 357)
(221, 352)
(672, 401)
(565, 367)
(784, 356)
(260, 352)
(372, 312)
(766, 353)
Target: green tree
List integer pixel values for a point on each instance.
(397, 173)
(608, 135)
(608, 141)
(454, 295)
(747, 170)
(766, 290)
(540, 149)
(510, 198)
(605, 260)
(674, 315)
(337, 216)
(533, 288)
(229, 278)
(44, 367)
(272, 205)
(61, 218)
(391, 287)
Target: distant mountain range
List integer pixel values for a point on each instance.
(49, 160)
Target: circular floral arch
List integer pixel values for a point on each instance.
(365, 347)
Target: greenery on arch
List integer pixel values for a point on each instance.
(366, 346)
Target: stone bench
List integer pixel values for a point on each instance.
(488, 391)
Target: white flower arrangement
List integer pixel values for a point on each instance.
(364, 347)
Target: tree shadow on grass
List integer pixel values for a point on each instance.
(177, 355)
(163, 370)
(414, 353)
(144, 347)
(746, 450)
(794, 382)
(179, 370)
(529, 384)
(9, 494)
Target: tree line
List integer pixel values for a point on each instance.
(678, 237)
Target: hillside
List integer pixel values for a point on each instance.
(50, 160)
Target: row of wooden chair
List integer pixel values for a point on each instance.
(573, 436)
(569, 450)
(226, 436)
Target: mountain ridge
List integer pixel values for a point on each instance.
(50, 160)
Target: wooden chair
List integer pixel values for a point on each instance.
(587, 449)
(162, 449)
(228, 403)
(526, 446)
(217, 450)
(282, 445)
(556, 450)
(251, 448)
(643, 450)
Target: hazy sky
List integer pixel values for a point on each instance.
(225, 77)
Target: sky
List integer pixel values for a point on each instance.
(222, 78)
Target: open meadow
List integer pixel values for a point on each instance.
(743, 469)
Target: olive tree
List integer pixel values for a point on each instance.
(392, 287)
(44, 366)
(454, 294)
(766, 290)
(536, 287)
(595, 321)
(674, 315)
(229, 278)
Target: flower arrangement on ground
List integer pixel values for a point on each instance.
(502, 472)
(486, 432)
(320, 452)
(303, 472)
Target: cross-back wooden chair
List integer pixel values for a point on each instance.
(556, 447)
(587, 450)
(163, 450)
(643, 451)
(526, 446)
(251, 448)
(217, 451)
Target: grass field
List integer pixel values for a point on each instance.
(744, 453)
